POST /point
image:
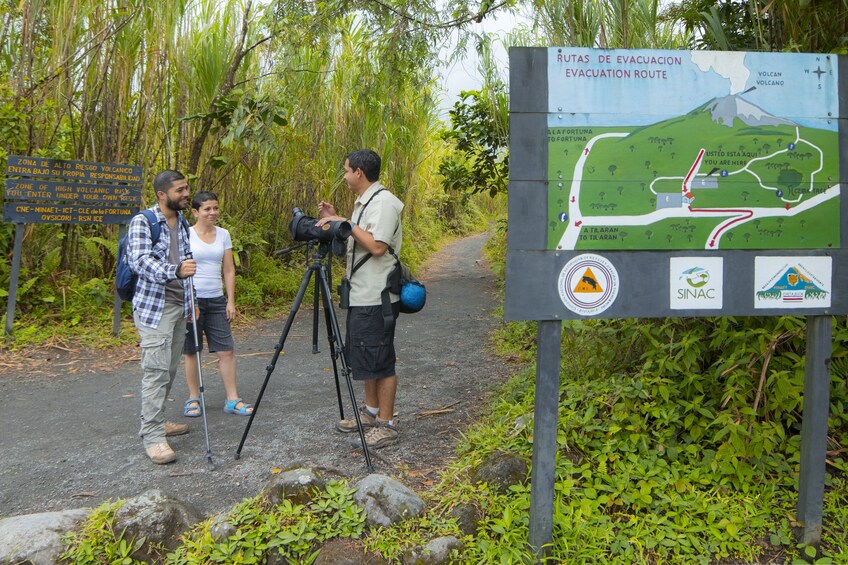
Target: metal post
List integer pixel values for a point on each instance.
(543, 472)
(814, 427)
(13, 279)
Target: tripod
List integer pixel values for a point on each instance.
(320, 269)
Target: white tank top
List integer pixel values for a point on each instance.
(208, 281)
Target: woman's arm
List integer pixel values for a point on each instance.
(229, 268)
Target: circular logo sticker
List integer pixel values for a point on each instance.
(588, 284)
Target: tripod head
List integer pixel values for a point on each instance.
(322, 249)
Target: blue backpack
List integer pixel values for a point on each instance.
(125, 278)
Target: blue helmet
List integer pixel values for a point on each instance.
(413, 295)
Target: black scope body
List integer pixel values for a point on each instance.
(303, 228)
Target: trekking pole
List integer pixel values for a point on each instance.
(209, 462)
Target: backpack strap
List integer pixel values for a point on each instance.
(155, 230)
(153, 222)
(388, 314)
(184, 224)
(359, 264)
(393, 254)
(353, 253)
(385, 295)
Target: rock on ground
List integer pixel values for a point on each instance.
(36, 538)
(155, 517)
(386, 501)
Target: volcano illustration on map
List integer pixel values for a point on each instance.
(692, 150)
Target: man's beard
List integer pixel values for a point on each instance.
(174, 204)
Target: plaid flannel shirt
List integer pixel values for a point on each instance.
(150, 262)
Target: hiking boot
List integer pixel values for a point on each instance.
(348, 425)
(381, 435)
(174, 429)
(161, 453)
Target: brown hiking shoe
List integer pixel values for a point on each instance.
(381, 435)
(174, 429)
(348, 425)
(161, 453)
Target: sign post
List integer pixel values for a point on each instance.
(545, 418)
(13, 279)
(55, 191)
(814, 427)
(648, 183)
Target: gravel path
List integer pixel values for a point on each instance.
(69, 439)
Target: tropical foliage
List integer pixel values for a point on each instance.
(257, 101)
(764, 25)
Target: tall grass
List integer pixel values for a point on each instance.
(257, 101)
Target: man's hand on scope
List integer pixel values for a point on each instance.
(328, 219)
(325, 209)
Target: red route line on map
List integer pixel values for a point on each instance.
(692, 170)
(748, 214)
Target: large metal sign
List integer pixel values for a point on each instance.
(674, 183)
(56, 191)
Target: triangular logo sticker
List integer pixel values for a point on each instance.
(588, 283)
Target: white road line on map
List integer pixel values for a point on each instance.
(575, 218)
(830, 193)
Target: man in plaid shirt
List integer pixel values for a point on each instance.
(161, 306)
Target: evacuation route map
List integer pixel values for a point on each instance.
(692, 150)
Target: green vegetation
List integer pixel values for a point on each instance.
(678, 443)
(288, 530)
(97, 542)
(678, 440)
(256, 101)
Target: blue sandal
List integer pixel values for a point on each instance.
(190, 411)
(230, 407)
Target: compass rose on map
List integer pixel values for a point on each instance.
(818, 71)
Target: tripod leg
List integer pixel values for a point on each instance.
(335, 348)
(315, 319)
(337, 336)
(277, 349)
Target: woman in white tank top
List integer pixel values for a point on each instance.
(211, 248)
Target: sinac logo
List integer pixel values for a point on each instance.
(696, 277)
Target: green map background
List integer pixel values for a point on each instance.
(618, 172)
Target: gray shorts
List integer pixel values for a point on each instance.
(369, 348)
(212, 322)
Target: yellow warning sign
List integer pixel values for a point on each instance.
(588, 283)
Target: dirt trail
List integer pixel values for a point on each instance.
(70, 439)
